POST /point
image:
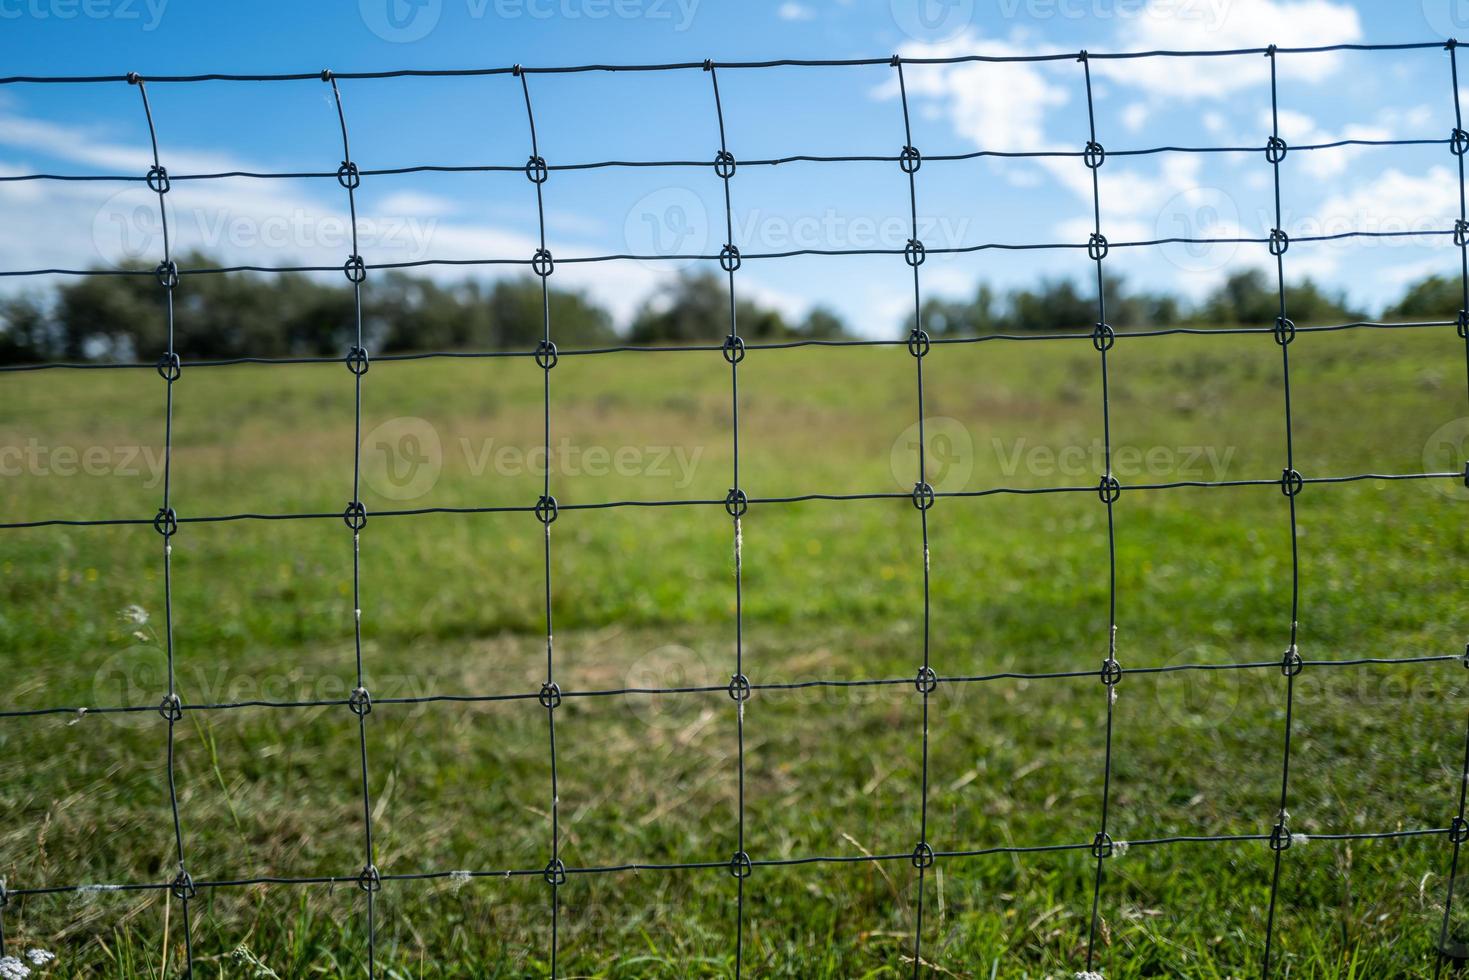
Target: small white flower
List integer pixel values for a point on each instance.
(40, 957)
(1299, 839)
(134, 614)
(1119, 848)
(13, 969)
(1088, 975)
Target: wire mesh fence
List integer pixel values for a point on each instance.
(741, 502)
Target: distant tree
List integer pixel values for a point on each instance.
(412, 314)
(695, 307)
(27, 332)
(962, 318)
(1433, 298)
(1251, 297)
(517, 316)
(821, 323)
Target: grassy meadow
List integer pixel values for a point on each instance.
(453, 604)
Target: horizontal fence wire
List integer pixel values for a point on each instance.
(741, 865)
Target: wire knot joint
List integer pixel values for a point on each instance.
(167, 273)
(1458, 830)
(923, 495)
(182, 886)
(360, 701)
(1291, 663)
(355, 269)
(1291, 482)
(724, 164)
(169, 367)
(355, 516)
(918, 343)
(171, 709)
(158, 179)
(733, 348)
(729, 258)
(369, 879)
(1284, 330)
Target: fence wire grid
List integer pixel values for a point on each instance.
(740, 865)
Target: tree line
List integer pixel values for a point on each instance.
(238, 314)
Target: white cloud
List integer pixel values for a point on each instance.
(416, 202)
(1225, 24)
(1393, 201)
(1298, 129)
(795, 11)
(994, 107)
(1135, 116)
(86, 146)
(261, 222)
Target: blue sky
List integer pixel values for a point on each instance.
(291, 126)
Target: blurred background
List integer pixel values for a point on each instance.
(1015, 581)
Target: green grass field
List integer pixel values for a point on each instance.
(453, 604)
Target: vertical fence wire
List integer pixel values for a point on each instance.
(1290, 485)
(736, 504)
(166, 521)
(1458, 826)
(923, 499)
(1109, 490)
(543, 264)
(369, 880)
